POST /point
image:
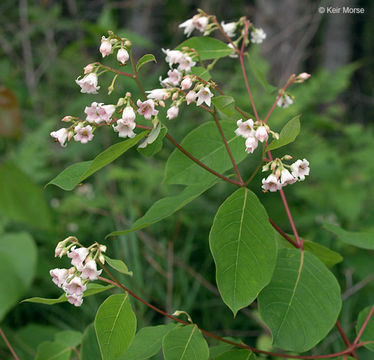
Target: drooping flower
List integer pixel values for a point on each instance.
(76, 300)
(157, 94)
(105, 47)
(172, 56)
(258, 36)
(188, 26)
(204, 95)
(75, 286)
(88, 84)
(261, 133)
(251, 144)
(287, 178)
(128, 114)
(97, 112)
(59, 276)
(200, 22)
(233, 54)
(172, 112)
(89, 270)
(77, 256)
(302, 77)
(122, 55)
(147, 108)
(61, 136)
(271, 183)
(125, 128)
(186, 83)
(284, 101)
(83, 133)
(186, 63)
(245, 129)
(190, 97)
(229, 28)
(300, 169)
(174, 77)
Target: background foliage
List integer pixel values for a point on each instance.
(44, 45)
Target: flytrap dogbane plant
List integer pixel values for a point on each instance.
(297, 295)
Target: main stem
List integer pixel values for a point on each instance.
(136, 75)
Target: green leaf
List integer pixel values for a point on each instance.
(15, 187)
(326, 255)
(259, 75)
(90, 348)
(225, 104)
(207, 47)
(244, 249)
(49, 350)
(201, 72)
(18, 256)
(118, 265)
(363, 240)
(205, 143)
(236, 354)
(75, 174)
(115, 325)
(144, 60)
(147, 342)
(288, 134)
(368, 334)
(302, 302)
(92, 289)
(185, 343)
(69, 338)
(165, 207)
(155, 146)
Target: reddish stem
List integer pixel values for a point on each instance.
(345, 338)
(276, 227)
(7, 343)
(115, 70)
(364, 325)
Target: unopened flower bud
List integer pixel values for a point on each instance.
(161, 103)
(302, 77)
(276, 135)
(128, 43)
(277, 173)
(101, 258)
(102, 248)
(120, 102)
(273, 166)
(175, 96)
(186, 83)
(88, 68)
(287, 157)
(105, 47)
(122, 56)
(67, 118)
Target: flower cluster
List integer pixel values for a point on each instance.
(74, 280)
(283, 174)
(253, 132)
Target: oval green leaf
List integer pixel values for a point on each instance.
(118, 265)
(144, 60)
(225, 104)
(115, 325)
(206, 144)
(49, 350)
(185, 343)
(244, 249)
(236, 354)
(288, 134)
(208, 48)
(69, 178)
(302, 302)
(368, 334)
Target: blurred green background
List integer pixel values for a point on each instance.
(45, 44)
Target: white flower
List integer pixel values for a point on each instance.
(97, 113)
(122, 55)
(88, 84)
(190, 97)
(174, 77)
(89, 270)
(128, 114)
(261, 133)
(186, 63)
(105, 47)
(146, 108)
(186, 83)
(204, 95)
(287, 178)
(300, 169)
(75, 299)
(157, 94)
(284, 101)
(188, 26)
(172, 56)
(75, 286)
(245, 129)
(61, 136)
(88, 68)
(234, 54)
(271, 183)
(125, 128)
(200, 22)
(172, 112)
(77, 256)
(258, 36)
(59, 276)
(302, 77)
(229, 28)
(83, 133)
(251, 144)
